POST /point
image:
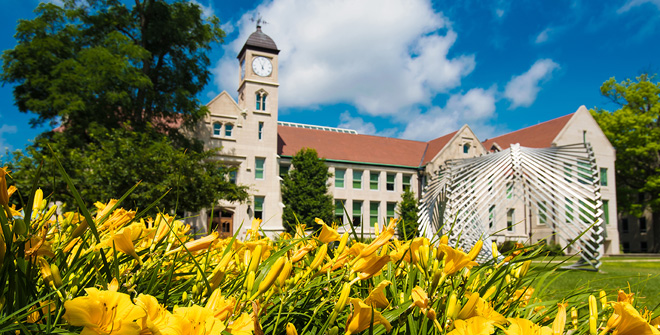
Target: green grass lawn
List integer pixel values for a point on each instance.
(642, 275)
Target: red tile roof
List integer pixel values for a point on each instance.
(434, 146)
(536, 136)
(351, 147)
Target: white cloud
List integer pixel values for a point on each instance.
(543, 36)
(6, 129)
(383, 56)
(523, 89)
(499, 12)
(207, 11)
(635, 3)
(476, 107)
(362, 127)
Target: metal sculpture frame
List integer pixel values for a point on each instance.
(559, 183)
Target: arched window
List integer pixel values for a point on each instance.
(466, 148)
(261, 101)
(228, 129)
(217, 128)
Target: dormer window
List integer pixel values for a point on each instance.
(466, 148)
(228, 129)
(261, 101)
(217, 128)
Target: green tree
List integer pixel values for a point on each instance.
(407, 209)
(100, 62)
(634, 131)
(123, 84)
(305, 191)
(115, 161)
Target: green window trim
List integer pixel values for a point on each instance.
(406, 182)
(339, 178)
(603, 176)
(373, 212)
(357, 179)
(391, 208)
(259, 164)
(391, 177)
(373, 180)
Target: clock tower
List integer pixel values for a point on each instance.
(257, 88)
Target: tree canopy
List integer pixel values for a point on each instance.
(122, 83)
(407, 209)
(305, 191)
(634, 131)
(100, 62)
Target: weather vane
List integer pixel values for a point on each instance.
(259, 20)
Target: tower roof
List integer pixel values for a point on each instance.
(260, 42)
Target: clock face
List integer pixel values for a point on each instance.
(262, 66)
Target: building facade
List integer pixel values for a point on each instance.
(369, 172)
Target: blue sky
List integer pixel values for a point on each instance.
(419, 69)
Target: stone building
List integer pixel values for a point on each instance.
(369, 172)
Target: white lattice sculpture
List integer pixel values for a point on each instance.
(558, 183)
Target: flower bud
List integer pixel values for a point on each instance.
(603, 298)
(4, 194)
(270, 278)
(285, 273)
(342, 244)
(593, 306)
(593, 325)
(474, 252)
(574, 318)
(343, 297)
(333, 331)
(431, 314)
(57, 279)
(38, 197)
(320, 256)
(452, 310)
(249, 282)
(255, 258)
(291, 329)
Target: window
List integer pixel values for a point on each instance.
(217, 129)
(406, 182)
(357, 179)
(643, 246)
(284, 170)
(491, 216)
(259, 168)
(390, 181)
(606, 211)
(261, 130)
(603, 176)
(466, 148)
(339, 211)
(510, 218)
(391, 206)
(357, 212)
(373, 212)
(339, 178)
(509, 190)
(228, 129)
(568, 210)
(543, 213)
(259, 208)
(642, 225)
(232, 176)
(584, 172)
(624, 225)
(373, 180)
(568, 172)
(261, 101)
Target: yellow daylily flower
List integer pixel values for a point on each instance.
(221, 307)
(525, 327)
(244, 325)
(377, 296)
(198, 244)
(626, 320)
(477, 325)
(124, 239)
(370, 266)
(360, 318)
(103, 312)
(200, 320)
(158, 320)
(381, 240)
(420, 298)
(327, 234)
(455, 260)
(625, 297)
